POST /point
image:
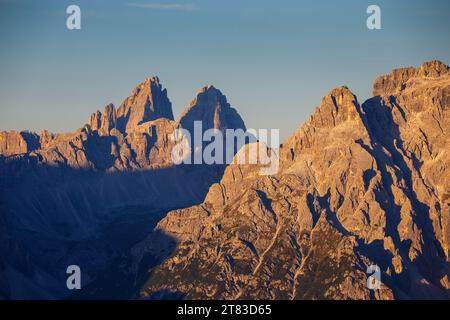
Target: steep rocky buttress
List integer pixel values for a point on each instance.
(359, 185)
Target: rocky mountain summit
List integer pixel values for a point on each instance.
(359, 185)
(135, 136)
(148, 101)
(59, 191)
(212, 109)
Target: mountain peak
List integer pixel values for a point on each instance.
(397, 80)
(207, 87)
(210, 95)
(152, 79)
(433, 68)
(147, 101)
(340, 93)
(212, 108)
(104, 121)
(339, 105)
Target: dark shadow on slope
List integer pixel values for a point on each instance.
(56, 216)
(98, 150)
(376, 252)
(164, 294)
(368, 175)
(385, 133)
(128, 273)
(31, 139)
(324, 202)
(267, 204)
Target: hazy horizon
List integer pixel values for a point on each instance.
(273, 61)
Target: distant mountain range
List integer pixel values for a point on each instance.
(359, 185)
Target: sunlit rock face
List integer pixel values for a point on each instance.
(359, 185)
(148, 101)
(14, 142)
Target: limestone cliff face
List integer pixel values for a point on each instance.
(104, 122)
(359, 185)
(135, 137)
(399, 79)
(14, 142)
(148, 101)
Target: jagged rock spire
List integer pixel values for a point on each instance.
(104, 121)
(212, 108)
(148, 101)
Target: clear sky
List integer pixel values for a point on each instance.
(274, 60)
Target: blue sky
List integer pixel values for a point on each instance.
(274, 60)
